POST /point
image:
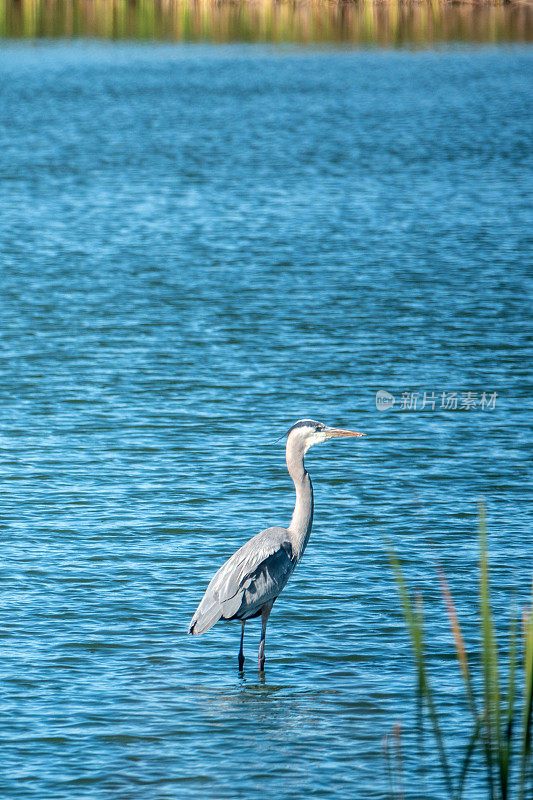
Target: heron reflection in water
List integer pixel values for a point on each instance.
(247, 585)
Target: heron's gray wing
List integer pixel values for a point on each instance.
(260, 583)
(253, 575)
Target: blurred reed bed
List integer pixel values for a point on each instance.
(381, 22)
(500, 725)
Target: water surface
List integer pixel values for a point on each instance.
(200, 246)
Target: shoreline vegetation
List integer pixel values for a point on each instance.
(386, 23)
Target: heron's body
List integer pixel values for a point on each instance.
(247, 585)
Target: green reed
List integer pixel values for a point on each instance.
(500, 726)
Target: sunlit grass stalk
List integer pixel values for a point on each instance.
(465, 672)
(459, 643)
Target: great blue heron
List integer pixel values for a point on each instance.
(247, 585)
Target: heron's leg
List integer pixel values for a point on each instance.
(241, 651)
(265, 613)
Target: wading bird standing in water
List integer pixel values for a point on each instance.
(247, 585)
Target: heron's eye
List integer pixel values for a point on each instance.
(318, 427)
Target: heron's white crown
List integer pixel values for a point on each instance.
(307, 432)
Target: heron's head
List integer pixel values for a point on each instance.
(307, 432)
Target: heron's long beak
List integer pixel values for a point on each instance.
(334, 433)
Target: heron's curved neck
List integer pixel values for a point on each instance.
(302, 516)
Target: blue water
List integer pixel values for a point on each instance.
(199, 246)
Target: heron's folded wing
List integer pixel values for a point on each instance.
(263, 584)
(253, 575)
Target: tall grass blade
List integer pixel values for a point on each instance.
(438, 738)
(525, 755)
(404, 594)
(489, 657)
(467, 758)
(511, 690)
(414, 619)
